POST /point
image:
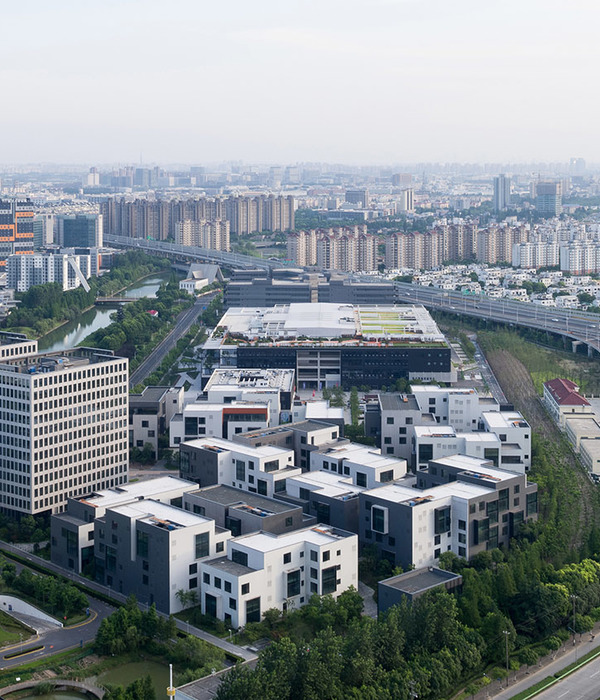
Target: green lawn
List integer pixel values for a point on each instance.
(10, 629)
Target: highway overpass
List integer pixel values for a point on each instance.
(580, 327)
(193, 253)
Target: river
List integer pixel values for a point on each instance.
(71, 334)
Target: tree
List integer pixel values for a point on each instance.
(528, 657)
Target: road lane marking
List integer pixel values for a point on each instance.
(594, 674)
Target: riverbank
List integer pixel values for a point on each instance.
(30, 332)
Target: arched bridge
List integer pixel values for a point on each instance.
(58, 684)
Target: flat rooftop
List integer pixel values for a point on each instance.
(161, 515)
(303, 324)
(108, 498)
(359, 454)
(318, 535)
(504, 419)
(282, 379)
(304, 426)
(327, 484)
(229, 567)
(229, 496)
(149, 397)
(583, 427)
(220, 445)
(397, 492)
(45, 363)
(475, 467)
(419, 580)
(398, 402)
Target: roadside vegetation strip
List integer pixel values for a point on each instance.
(23, 652)
(559, 676)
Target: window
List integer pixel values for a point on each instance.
(199, 510)
(227, 586)
(239, 557)
(531, 504)
(462, 552)
(289, 522)
(206, 578)
(142, 544)
(462, 538)
(517, 489)
(409, 421)
(151, 433)
(361, 479)
(145, 580)
(262, 487)
(437, 539)
(251, 465)
(387, 476)
(245, 588)
(90, 535)
(314, 555)
(402, 441)
(193, 583)
(401, 431)
(272, 466)
(387, 441)
(193, 569)
(314, 573)
(436, 554)
(287, 557)
(329, 580)
(279, 486)
(304, 494)
(472, 508)
(389, 420)
(516, 501)
(253, 610)
(462, 525)
(202, 545)
(240, 470)
(442, 520)
(293, 583)
(392, 541)
(145, 424)
(502, 437)
(232, 604)
(502, 500)
(379, 517)
(217, 582)
(326, 556)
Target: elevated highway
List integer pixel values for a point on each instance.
(193, 253)
(579, 327)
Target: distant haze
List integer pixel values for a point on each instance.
(362, 81)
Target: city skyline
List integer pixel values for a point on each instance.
(387, 81)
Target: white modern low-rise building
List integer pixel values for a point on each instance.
(365, 466)
(262, 470)
(207, 419)
(459, 504)
(154, 550)
(263, 571)
(433, 442)
(72, 532)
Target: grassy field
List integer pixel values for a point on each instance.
(544, 364)
(10, 629)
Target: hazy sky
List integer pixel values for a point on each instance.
(354, 81)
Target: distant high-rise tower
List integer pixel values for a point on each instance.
(501, 193)
(16, 229)
(549, 198)
(81, 231)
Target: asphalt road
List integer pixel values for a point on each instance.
(580, 685)
(59, 638)
(571, 323)
(184, 321)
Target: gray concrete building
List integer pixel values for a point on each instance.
(243, 512)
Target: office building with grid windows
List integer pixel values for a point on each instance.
(63, 428)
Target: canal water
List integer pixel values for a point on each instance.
(72, 333)
(122, 675)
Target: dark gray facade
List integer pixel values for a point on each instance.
(243, 512)
(413, 584)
